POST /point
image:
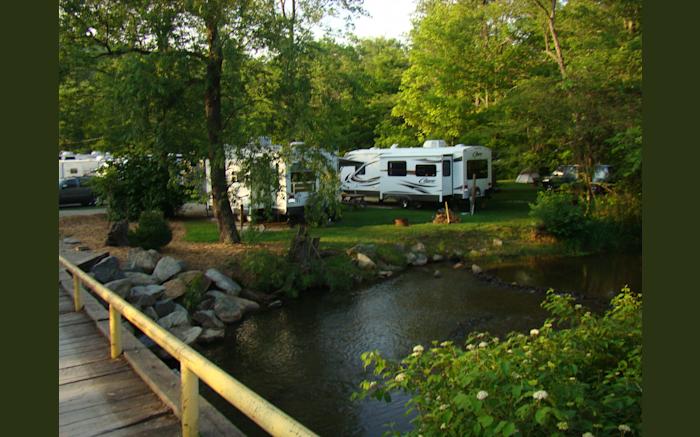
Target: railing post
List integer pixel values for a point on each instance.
(189, 401)
(77, 299)
(115, 332)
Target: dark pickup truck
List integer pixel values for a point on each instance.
(75, 190)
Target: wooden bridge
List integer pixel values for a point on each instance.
(110, 384)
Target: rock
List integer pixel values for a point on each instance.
(176, 318)
(227, 310)
(437, 257)
(174, 288)
(187, 334)
(385, 274)
(140, 260)
(420, 260)
(458, 266)
(223, 282)
(107, 270)
(476, 269)
(164, 307)
(497, 242)
(364, 262)
(118, 234)
(121, 286)
(195, 280)
(82, 248)
(255, 296)
(418, 247)
(166, 268)
(370, 249)
(180, 308)
(138, 278)
(437, 274)
(150, 312)
(247, 305)
(206, 304)
(71, 240)
(207, 319)
(145, 295)
(275, 304)
(410, 258)
(209, 335)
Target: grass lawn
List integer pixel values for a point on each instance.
(504, 216)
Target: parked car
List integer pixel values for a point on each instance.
(569, 174)
(76, 190)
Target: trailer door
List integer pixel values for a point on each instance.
(446, 175)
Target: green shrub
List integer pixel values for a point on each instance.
(138, 183)
(268, 272)
(194, 294)
(152, 232)
(579, 373)
(561, 214)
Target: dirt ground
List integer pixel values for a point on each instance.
(92, 230)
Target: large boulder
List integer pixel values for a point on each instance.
(195, 280)
(107, 270)
(138, 278)
(121, 286)
(140, 260)
(476, 269)
(364, 262)
(223, 282)
(245, 304)
(166, 268)
(150, 312)
(174, 288)
(118, 234)
(187, 334)
(208, 319)
(209, 335)
(145, 295)
(176, 318)
(164, 307)
(227, 311)
(416, 259)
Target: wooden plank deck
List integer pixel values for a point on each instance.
(98, 395)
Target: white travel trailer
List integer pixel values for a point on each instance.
(77, 165)
(296, 183)
(433, 173)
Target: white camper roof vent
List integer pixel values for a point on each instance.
(435, 143)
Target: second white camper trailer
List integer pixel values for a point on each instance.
(296, 183)
(432, 173)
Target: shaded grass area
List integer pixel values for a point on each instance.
(504, 216)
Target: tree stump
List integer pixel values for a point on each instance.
(304, 249)
(118, 234)
(401, 221)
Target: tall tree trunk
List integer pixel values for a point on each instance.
(217, 157)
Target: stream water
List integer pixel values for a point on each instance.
(305, 357)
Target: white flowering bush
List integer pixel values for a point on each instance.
(580, 374)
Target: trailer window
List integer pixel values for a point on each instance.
(446, 168)
(426, 170)
(397, 168)
(360, 169)
(303, 181)
(478, 167)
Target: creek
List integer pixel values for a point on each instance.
(305, 357)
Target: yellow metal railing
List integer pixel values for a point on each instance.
(193, 366)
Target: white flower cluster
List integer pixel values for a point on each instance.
(540, 395)
(470, 347)
(587, 434)
(534, 332)
(400, 377)
(443, 407)
(624, 428)
(483, 344)
(483, 394)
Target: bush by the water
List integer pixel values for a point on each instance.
(560, 213)
(269, 272)
(140, 183)
(152, 232)
(612, 221)
(578, 374)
